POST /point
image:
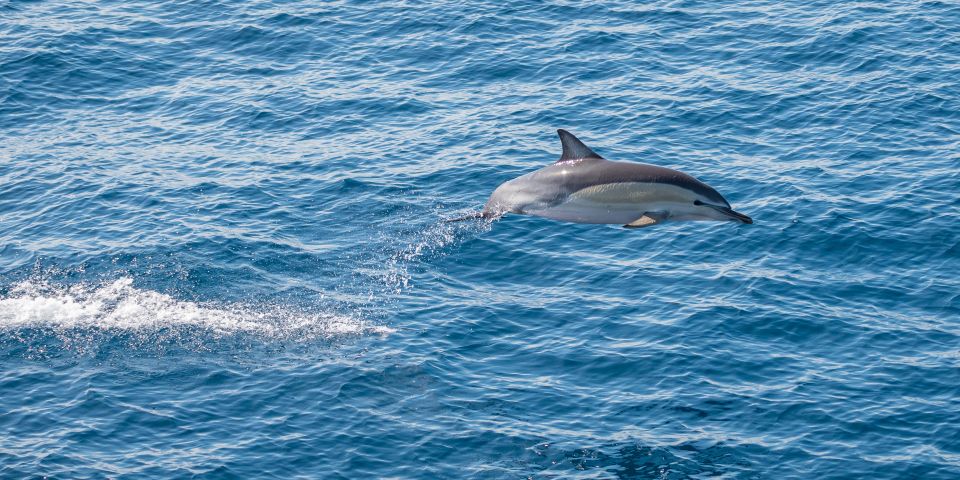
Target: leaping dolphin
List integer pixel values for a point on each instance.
(583, 187)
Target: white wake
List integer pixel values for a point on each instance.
(120, 306)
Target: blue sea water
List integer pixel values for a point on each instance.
(222, 252)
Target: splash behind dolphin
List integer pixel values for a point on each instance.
(583, 187)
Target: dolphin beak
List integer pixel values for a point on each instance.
(736, 215)
(728, 212)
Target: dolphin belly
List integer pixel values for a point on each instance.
(620, 203)
(580, 211)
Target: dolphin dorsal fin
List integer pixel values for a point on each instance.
(573, 148)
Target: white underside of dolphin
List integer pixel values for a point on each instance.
(583, 187)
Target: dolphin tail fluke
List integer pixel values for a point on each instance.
(470, 216)
(486, 215)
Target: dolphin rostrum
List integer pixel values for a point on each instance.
(583, 187)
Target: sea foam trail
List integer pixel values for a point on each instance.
(120, 306)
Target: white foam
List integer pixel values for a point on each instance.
(121, 306)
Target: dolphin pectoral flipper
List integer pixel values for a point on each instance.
(646, 220)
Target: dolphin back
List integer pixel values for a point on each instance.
(588, 173)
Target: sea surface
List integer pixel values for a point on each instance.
(223, 254)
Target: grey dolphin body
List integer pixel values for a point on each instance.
(583, 187)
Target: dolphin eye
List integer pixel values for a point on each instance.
(697, 202)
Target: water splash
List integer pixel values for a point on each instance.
(429, 242)
(119, 306)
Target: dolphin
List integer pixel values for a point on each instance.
(583, 187)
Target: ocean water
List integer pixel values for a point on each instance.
(223, 255)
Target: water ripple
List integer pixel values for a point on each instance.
(222, 250)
